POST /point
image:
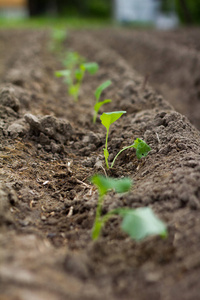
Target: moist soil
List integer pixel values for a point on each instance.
(50, 149)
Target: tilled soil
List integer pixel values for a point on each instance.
(169, 61)
(50, 149)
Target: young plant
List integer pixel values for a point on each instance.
(97, 94)
(142, 149)
(66, 74)
(91, 68)
(107, 119)
(72, 60)
(74, 78)
(58, 36)
(137, 223)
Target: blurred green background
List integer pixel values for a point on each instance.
(86, 8)
(188, 11)
(78, 13)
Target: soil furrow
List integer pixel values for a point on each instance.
(170, 64)
(49, 151)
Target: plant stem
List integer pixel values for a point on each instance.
(106, 147)
(100, 221)
(94, 117)
(110, 214)
(78, 90)
(131, 146)
(95, 112)
(97, 223)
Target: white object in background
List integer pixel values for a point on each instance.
(14, 13)
(167, 21)
(136, 10)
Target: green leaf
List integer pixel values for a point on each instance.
(99, 104)
(96, 229)
(101, 88)
(91, 67)
(141, 222)
(72, 59)
(108, 118)
(142, 149)
(79, 74)
(104, 184)
(59, 35)
(74, 90)
(63, 73)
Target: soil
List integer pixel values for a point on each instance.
(50, 149)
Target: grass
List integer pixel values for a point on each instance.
(55, 22)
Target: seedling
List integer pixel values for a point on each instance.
(97, 94)
(137, 223)
(74, 78)
(142, 149)
(91, 68)
(107, 119)
(72, 60)
(66, 74)
(58, 36)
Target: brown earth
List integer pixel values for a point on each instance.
(50, 149)
(170, 61)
